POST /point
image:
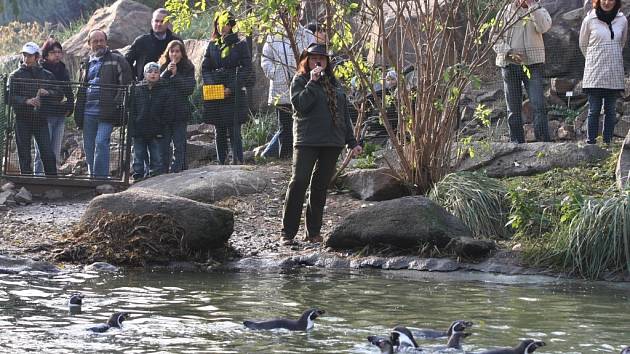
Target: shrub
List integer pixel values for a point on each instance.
(479, 201)
(259, 129)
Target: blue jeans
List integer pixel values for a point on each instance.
(146, 150)
(174, 160)
(56, 127)
(514, 77)
(597, 98)
(273, 147)
(96, 137)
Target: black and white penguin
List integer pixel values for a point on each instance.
(435, 334)
(625, 350)
(401, 336)
(304, 323)
(527, 346)
(383, 343)
(457, 334)
(115, 321)
(76, 299)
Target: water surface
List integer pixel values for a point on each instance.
(203, 313)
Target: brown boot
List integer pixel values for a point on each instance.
(315, 238)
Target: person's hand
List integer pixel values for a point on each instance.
(516, 56)
(42, 92)
(316, 73)
(172, 66)
(356, 151)
(226, 92)
(33, 102)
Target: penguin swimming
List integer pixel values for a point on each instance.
(401, 337)
(457, 334)
(304, 323)
(384, 344)
(625, 350)
(76, 299)
(115, 321)
(435, 334)
(527, 346)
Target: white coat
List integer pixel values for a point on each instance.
(604, 59)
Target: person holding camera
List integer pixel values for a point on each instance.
(602, 38)
(322, 127)
(228, 63)
(521, 56)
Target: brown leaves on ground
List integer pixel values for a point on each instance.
(125, 239)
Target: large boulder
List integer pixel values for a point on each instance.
(510, 159)
(123, 21)
(11, 265)
(405, 223)
(209, 184)
(205, 226)
(374, 184)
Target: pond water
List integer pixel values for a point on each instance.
(203, 313)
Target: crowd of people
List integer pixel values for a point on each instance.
(521, 56)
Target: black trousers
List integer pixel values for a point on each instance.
(312, 166)
(285, 128)
(25, 129)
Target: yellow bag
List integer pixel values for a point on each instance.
(213, 92)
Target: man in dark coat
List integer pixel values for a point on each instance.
(99, 101)
(30, 94)
(150, 46)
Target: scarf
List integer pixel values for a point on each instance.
(331, 93)
(225, 43)
(608, 18)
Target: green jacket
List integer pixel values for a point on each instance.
(312, 121)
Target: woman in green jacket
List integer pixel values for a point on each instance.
(321, 129)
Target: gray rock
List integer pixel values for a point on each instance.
(374, 185)
(490, 96)
(404, 223)
(12, 265)
(210, 183)
(206, 227)
(435, 265)
(105, 189)
(509, 159)
(101, 267)
(4, 196)
(23, 196)
(395, 263)
(471, 248)
(53, 194)
(9, 186)
(200, 151)
(622, 171)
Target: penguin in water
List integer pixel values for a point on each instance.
(435, 334)
(304, 323)
(383, 343)
(75, 302)
(527, 346)
(625, 350)
(115, 321)
(402, 337)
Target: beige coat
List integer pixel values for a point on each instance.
(604, 59)
(525, 28)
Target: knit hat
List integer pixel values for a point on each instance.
(150, 66)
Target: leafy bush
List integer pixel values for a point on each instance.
(479, 201)
(367, 160)
(567, 114)
(259, 129)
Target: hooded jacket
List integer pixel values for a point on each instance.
(23, 85)
(278, 63)
(312, 122)
(150, 109)
(525, 28)
(604, 59)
